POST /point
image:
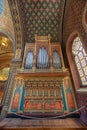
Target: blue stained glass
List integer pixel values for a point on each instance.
(80, 58)
(1, 6)
(83, 52)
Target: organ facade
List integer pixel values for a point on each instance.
(42, 86)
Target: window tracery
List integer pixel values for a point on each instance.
(80, 58)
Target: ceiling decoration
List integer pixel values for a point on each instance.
(16, 22)
(41, 17)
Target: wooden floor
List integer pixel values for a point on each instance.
(58, 123)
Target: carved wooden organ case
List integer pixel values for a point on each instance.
(43, 85)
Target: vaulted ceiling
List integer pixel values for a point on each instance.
(41, 17)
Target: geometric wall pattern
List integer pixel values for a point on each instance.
(42, 17)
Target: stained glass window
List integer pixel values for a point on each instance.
(56, 60)
(29, 60)
(1, 6)
(80, 58)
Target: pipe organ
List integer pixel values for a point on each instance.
(42, 54)
(42, 85)
(42, 59)
(29, 60)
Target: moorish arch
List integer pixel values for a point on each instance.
(75, 51)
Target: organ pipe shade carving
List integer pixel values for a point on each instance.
(56, 60)
(29, 60)
(42, 58)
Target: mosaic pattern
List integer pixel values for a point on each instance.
(42, 17)
(16, 21)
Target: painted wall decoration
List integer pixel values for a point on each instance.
(63, 98)
(22, 99)
(43, 96)
(47, 98)
(45, 105)
(15, 103)
(16, 96)
(69, 95)
(59, 104)
(70, 98)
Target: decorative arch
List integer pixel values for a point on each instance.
(71, 58)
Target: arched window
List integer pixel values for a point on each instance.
(80, 58)
(1, 6)
(56, 60)
(43, 58)
(29, 60)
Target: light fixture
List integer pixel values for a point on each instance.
(3, 44)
